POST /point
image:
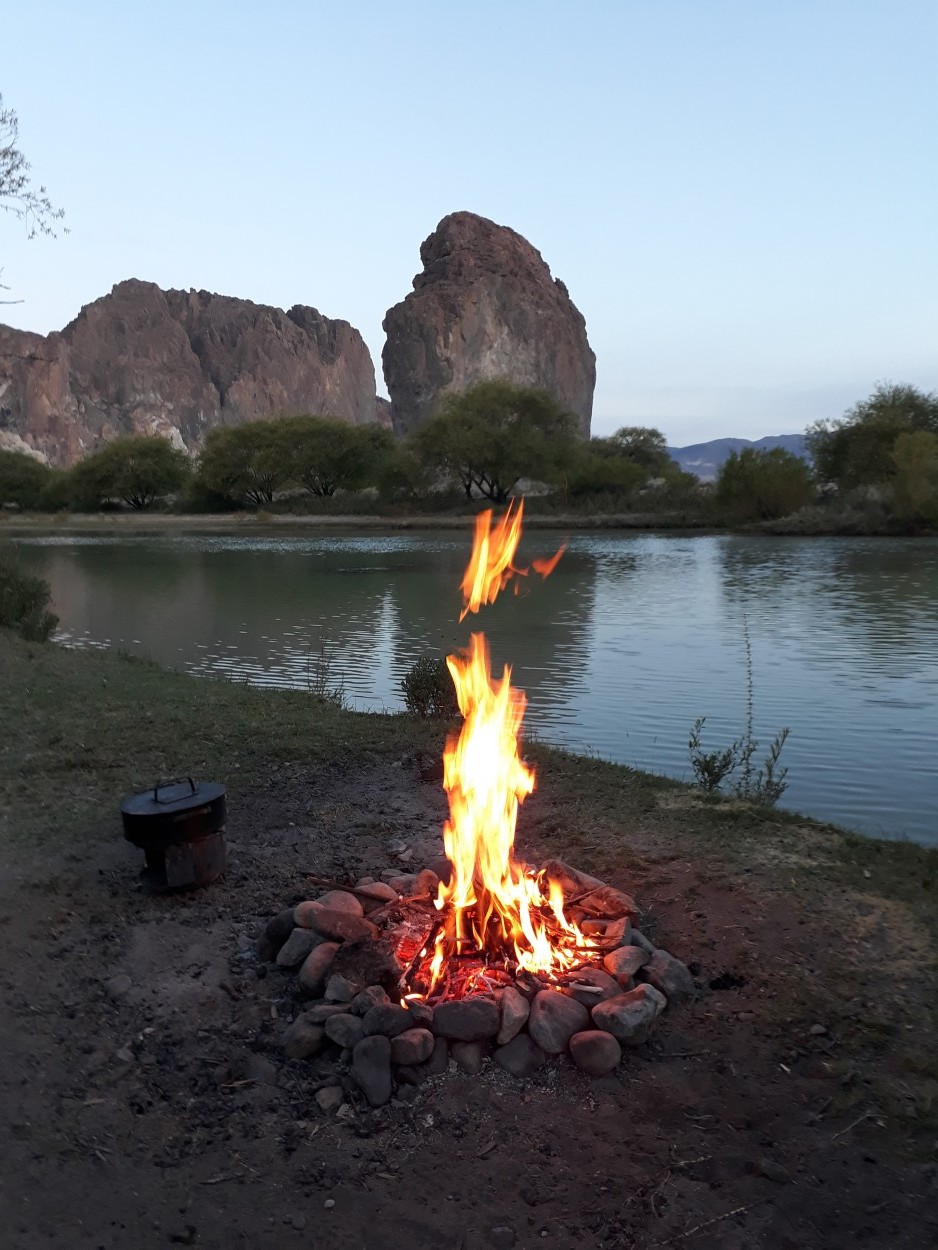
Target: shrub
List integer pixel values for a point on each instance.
(762, 485)
(428, 689)
(22, 479)
(24, 601)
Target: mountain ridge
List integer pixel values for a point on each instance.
(706, 459)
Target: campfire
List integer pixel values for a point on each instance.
(489, 957)
(496, 917)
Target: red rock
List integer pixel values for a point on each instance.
(340, 926)
(554, 1019)
(484, 306)
(315, 969)
(176, 363)
(595, 1051)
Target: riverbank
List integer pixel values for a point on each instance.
(793, 1104)
(226, 522)
(811, 523)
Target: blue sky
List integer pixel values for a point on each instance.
(740, 197)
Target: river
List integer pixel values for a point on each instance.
(631, 639)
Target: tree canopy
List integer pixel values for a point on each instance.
(763, 485)
(22, 479)
(856, 449)
(495, 433)
(245, 462)
(137, 469)
(326, 454)
(17, 193)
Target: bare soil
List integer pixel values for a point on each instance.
(789, 1108)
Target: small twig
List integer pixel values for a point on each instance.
(717, 1219)
(867, 1115)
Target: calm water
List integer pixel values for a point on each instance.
(631, 639)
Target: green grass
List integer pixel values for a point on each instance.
(83, 728)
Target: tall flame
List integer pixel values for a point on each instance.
(492, 904)
(491, 564)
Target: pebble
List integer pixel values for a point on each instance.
(439, 1057)
(630, 1017)
(608, 986)
(315, 968)
(502, 1237)
(404, 883)
(388, 1019)
(412, 1046)
(340, 926)
(368, 998)
(302, 1038)
(468, 1056)
(329, 1204)
(554, 1019)
(330, 1098)
(275, 933)
(623, 963)
(515, 1010)
(620, 931)
(521, 1057)
(421, 1013)
(609, 902)
(772, 1171)
(817, 1030)
(118, 986)
(427, 883)
(340, 990)
(341, 900)
(321, 1012)
(368, 962)
(303, 913)
(379, 893)
(467, 1019)
(296, 948)
(345, 1030)
(371, 1068)
(671, 977)
(595, 1051)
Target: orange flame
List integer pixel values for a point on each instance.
(490, 566)
(492, 904)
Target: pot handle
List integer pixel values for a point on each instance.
(170, 781)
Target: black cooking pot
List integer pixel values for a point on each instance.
(180, 825)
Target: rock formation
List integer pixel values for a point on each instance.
(142, 360)
(484, 306)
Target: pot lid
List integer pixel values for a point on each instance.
(175, 795)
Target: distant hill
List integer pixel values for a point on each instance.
(705, 459)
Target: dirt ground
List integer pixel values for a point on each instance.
(772, 1113)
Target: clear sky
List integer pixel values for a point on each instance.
(740, 196)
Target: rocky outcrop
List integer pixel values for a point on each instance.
(142, 361)
(484, 306)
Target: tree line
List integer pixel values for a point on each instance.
(491, 440)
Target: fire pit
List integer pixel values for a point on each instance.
(490, 956)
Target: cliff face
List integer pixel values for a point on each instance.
(142, 360)
(484, 306)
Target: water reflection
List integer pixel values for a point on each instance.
(630, 639)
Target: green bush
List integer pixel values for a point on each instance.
(22, 479)
(762, 485)
(428, 689)
(24, 601)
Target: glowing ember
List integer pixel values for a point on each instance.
(494, 911)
